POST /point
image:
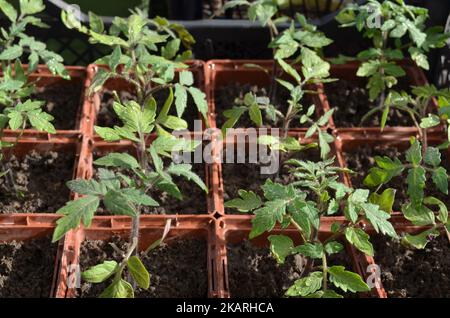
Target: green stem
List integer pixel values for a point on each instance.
(325, 272)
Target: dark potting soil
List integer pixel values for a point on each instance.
(351, 102)
(40, 181)
(248, 176)
(362, 159)
(177, 270)
(192, 202)
(226, 96)
(108, 118)
(253, 272)
(26, 268)
(62, 102)
(412, 272)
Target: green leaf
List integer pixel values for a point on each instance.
(333, 247)
(440, 179)
(443, 211)
(359, 239)
(108, 134)
(420, 58)
(107, 39)
(421, 240)
(41, 121)
(139, 272)
(432, 156)
(185, 170)
(313, 66)
(255, 114)
(115, 159)
(180, 99)
(385, 200)
(416, 184)
(368, 68)
(430, 121)
(15, 120)
(347, 281)
(267, 216)
(306, 285)
(418, 214)
(199, 100)
(138, 196)
(108, 178)
(118, 289)
(96, 24)
(100, 272)
(378, 219)
(11, 53)
(99, 80)
(186, 78)
(289, 70)
(170, 50)
(281, 247)
(386, 170)
(117, 203)
(414, 153)
(86, 187)
(311, 250)
(114, 59)
(75, 211)
(324, 140)
(248, 201)
(8, 10)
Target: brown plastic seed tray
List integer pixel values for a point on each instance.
(224, 72)
(43, 77)
(58, 143)
(235, 229)
(151, 229)
(31, 226)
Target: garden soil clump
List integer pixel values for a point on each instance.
(177, 270)
(412, 272)
(26, 268)
(39, 182)
(62, 102)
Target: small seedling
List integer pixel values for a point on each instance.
(18, 110)
(145, 53)
(316, 192)
(394, 28)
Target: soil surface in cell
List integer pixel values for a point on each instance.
(62, 101)
(177, 270)
(248, 176)
(193, 199)
(26, 268)
(351, 102)
(228, 96)
(412, 272)
(108, 118)
(253, 272)
(36, 183)
(361, 159)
